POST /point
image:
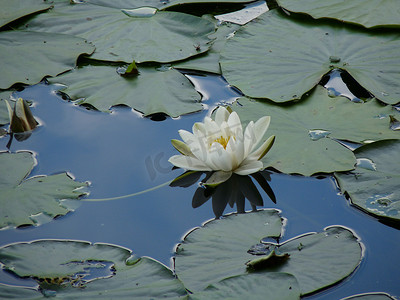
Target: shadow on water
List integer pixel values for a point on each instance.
(121, 153)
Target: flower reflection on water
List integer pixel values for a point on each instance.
(234, 190)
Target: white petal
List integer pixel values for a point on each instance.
(263, 149)
(235, 124)
(249, 167)
(217, 178)
(221, 115)
(187, 137)
(249, 138)
(260, 127)
(232, 149)
(220, 157)
(188, 163)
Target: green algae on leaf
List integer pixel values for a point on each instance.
(63, 268)
(34, 200)
(15, 9)
(119, 35)
(374, 185)
(150, 92)
(281, 58)
(306, 131)
(368, 13)
(29, 56)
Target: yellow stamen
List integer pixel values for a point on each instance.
(221, 140)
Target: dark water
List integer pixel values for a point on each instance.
(122, 153)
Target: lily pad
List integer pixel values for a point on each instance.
(126, 35)
(18, 292)
(306, 131)
(374, 185)
(221, 249)
(34, 200)
(78, 269)
(150, 92)
(262, 64)
(4, 116)
(29, 56)
(368, 13)
(159, 4)
(276, 286)
(13, 10)
(209, 61)
(218, 250)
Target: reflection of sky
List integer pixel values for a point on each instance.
(110, 151)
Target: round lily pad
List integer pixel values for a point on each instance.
(151, 91)
(34, 200)
(368, 13)
(374, 185)
(307, 131)
(29, 56)
(263, 64)
(258, 286)
(77, 269)
(13, 10)
(227, 247)
(127, 35)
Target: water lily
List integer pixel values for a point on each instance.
(221, 145)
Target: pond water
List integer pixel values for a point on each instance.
(122, 153)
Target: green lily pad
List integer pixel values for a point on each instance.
(17, 292)
(125, 35)
(65, 268)
(218, 250)
(13, 10)
(159, 4)
(374, 185)
(150, 92)
(276, 286)
(29, 56)
(306, 131)
(368, 13)
(4, 116)
(370, 296)
(209, 61)
(34, 200)
(221, 249)
(262, 64)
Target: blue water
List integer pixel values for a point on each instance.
(122, 153)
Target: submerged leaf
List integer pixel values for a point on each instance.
(34, 200)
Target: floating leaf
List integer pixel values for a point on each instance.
(34, 200)
(374, 185)
(163, 4)
(209, 61)
(218, 250)
(245, 15)
(221, 249)
(76, 269)
(306, 131)
(119, 35)
(262, 64)
(276, 286)
(368, 13)
(4, 114)
(27, 57)
(15, 9)
(150, 92)
(370, 296)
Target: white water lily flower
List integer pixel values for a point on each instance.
(221, 145)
